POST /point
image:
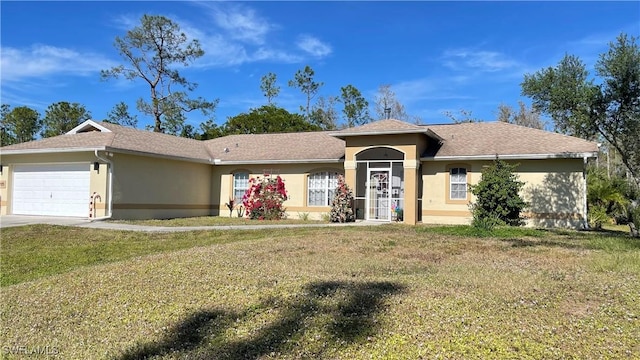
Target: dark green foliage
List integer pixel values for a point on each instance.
(580, 107)
(498, 198)
(355, 109)
(267, 119)
(209, 130)
(634, 220)
(342, 204)
(120, 115)
(61, 117)
(605, 197)
(19, 125)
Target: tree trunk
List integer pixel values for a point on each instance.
(158, 125)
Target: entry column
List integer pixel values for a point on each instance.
(411, 191)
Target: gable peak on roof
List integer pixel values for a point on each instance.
(88, 126)
(379, 127)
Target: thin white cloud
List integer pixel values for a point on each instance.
(489, 61)
(242, 23)
(239, 35)
(313, 46)
(44, 60)
(281, 56)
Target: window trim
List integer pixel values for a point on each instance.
(308, 188)
(233, 183)
(447, 195)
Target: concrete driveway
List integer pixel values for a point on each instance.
(20, 220)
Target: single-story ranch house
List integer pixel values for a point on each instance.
(102, 170)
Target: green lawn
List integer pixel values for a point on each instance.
(384, 292)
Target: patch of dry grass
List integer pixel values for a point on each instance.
(352, 293)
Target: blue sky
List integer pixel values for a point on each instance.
(437, 56)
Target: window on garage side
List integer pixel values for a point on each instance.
(321, 188)
(458, 183)
(240, 185)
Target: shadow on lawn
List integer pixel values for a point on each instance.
(350, 306)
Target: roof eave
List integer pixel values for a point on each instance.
(432, 134)
(567, 155)
(52, 150)
(265, 162)
(159, 156)
(340, 135)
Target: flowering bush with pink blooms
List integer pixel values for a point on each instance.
(264, 198)
(342, 204)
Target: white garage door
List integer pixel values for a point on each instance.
(57, 190)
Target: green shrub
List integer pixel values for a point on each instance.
(498, 198)
(607, 198)
(598, 216)
(634, 218)
(486, 223)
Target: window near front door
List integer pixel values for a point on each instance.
(458, 183)
(321, 188)
(240, 185)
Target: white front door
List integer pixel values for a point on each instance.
(56, 190)
(378, 195)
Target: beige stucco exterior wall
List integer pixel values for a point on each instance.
(556, 191)
(436, 208)
(294, 177)
(98, 180)
(412, 145)
(554, 188)
(147, 187)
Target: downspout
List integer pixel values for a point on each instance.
(584, 194)
(110, 193)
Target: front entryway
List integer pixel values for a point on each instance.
(378, 195)
(379, 184)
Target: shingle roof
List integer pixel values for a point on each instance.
(120, 138)
(387, 126)
(156, 143)
(491, 138)
(304, 146)
(457, 140)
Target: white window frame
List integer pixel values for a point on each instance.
(325, 184)
(457, 179)
(240, 184)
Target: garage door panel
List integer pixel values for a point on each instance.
(58, 190)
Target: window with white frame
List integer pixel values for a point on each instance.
(240, 185)
(458, 184)
(321, 188)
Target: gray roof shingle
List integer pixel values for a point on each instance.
(120, 138)
(303, 146)
(387, 126)
(491, 138)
